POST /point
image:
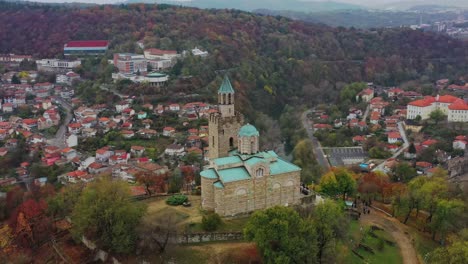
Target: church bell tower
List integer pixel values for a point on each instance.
(224, 125)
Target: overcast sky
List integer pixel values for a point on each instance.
(362, 2)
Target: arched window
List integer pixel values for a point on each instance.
(224, 98)
(213, 142)
(231, 142)
(229, 99)
(259, 172)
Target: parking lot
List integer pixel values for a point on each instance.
(345, 156)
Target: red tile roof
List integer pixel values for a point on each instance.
(394, 135)
(423, 102)
(423, 164)
(87, 43)
(459, 105)
(447, 99)
(160, 52)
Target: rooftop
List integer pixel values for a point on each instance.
(248, 131)
(87, 43)
(226, 86)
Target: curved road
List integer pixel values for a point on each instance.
(320, 156)
(398, 232)
(59, 139)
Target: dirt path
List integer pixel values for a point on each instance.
(398, 232)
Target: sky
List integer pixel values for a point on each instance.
(360, 2)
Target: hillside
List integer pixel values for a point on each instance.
(249, 5)
(273, 60)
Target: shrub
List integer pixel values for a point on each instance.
(177, 200)
(211, 222)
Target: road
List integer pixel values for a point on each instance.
(59, 139)
(366, 113)
(397, 230)
(405, 145)
(106, 88)
(308, 125)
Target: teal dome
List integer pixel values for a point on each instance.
(248, 131)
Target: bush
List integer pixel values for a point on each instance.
(176, 200)
(211, 222)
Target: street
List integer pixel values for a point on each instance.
(320, 156)
(59, 139)
(405, 145)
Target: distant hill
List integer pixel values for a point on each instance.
(425, 5)
(364, 18)
(249, 5)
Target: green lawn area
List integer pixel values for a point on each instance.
(387, 254)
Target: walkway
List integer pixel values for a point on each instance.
(402, 148)
(320, 156)
(398, 232)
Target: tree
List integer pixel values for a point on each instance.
(373, 183)
(456, 252)
(404, 172)
(437, 116)
(62, 204)
(304, 157)
(15, 79)
(151, 181)
(445, 217)
(329, 223)
(105, 212)
(338, 181)
(211, 222)
(30, 224)
(282, 236)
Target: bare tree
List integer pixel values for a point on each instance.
(158, 234)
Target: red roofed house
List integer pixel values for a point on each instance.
(7, 108)
(365, 95)
(103, 154)
(428, 143)
(394, 92)
(322, 126)
(459, 142)
(169, 131)
(137, 151)
(359, 139)
(394, 137)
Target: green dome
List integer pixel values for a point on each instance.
(248, 131)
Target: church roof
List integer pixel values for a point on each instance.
(226, 86)
(234, 168)
(218, 184)
(248, 131)
(233, 174)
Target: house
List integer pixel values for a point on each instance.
(103, 154)
(359, 140)
(3, 152)
(127, 134)
(365, 95)
(459, 142)
(137, 151)
(120, 157)
(74, 128)
(119, 107)
(374, 118)
(174, 107)
(142, 115)
(169, 131)
(393, 92)
(29, 123)
(69, 153)
(77, 176)
(394, 137)
(147, 133)
(7, 108)
(174, 150)
(96, 168)
(428, 143)
(71, 140)
(422, 166)
(322, 127)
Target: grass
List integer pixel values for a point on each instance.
(389, 254)
(422, 243)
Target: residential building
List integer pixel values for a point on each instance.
(56, 65)
(365, 95)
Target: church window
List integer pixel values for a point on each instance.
(213, 142)
(231, 142)
(229, 97)
(259, 172)
(224, 99)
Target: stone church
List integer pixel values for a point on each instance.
(240, 178)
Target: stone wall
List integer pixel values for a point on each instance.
(221, 130)
(209, 237)
(258, 193)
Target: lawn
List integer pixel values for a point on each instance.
(382, 252)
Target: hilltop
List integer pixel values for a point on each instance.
(274, 60)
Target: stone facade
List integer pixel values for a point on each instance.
(240, 179)
(223, 134)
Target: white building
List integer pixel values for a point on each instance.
(153, 78)
(455, 108)
(55, 65)
(199, 52)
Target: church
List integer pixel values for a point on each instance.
(240, 178)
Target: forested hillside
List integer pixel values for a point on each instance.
(273, 60)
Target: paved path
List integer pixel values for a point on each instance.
(308, 125)
(402, 148)
(366, 113)
(59, 139)
(398, 232)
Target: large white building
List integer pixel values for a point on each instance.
(161, 59)
(129, 63)
(55, 65)
(455, 108)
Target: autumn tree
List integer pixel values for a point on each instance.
(152, 181)
(373, 183)
(30, 224)
(105, 212)
(282, 236)
(338, 181)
